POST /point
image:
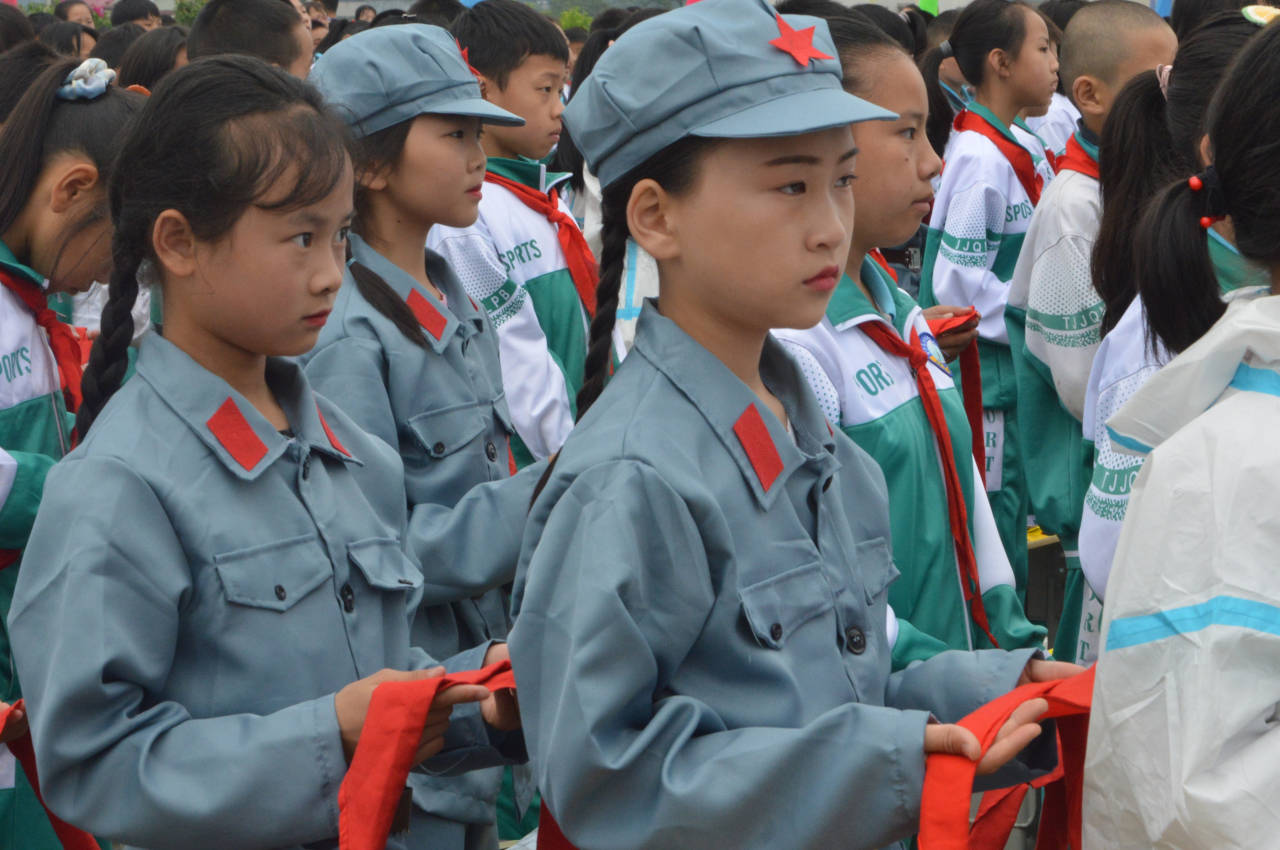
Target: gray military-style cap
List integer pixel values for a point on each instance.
(382, 77)
(731, 69)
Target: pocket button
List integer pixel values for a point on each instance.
(855, 640)
(348, 598)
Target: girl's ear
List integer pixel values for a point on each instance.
(174, 243)
(999, 64)
(374, 179)
(1087, 94)
(1206, 151)
(73, 179)
(651, 220)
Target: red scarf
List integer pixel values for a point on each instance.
(1076, 158)
(971, 381)
(577, 254)
(62, 339)
(1018, 156)
(374, 784)
(883, 336)
(948, 779)
(70, 837)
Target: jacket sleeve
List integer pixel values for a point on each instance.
(609, 611)
(1064, 314)
(94, 631)
(22, 477)
(1184, 745)
(975, 258)
(532, 376)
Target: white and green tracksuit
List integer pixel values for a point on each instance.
(1053, 318)
(35, 431)
(1124, 363)
(511, 263)
(980, 218)
(873, 397)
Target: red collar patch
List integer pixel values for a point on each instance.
(799, 43)
(333, 441)
(427, 315)
(756, 442)
(236, 435)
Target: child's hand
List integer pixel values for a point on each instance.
(500, 710)
(1041, 670)
(352, 705)
(957, 340)
(1018, 731)
(16, 726)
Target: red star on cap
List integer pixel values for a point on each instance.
(464, 51)
(799, 43)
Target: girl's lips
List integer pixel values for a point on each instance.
(317, 320)
(476, 192)
(825, 280)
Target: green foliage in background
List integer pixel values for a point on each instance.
(101, 17)
(574, 17)
(185, 11)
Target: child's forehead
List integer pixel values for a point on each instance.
(540, 63)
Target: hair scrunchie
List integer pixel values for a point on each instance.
(1209, 186)
(87, 82)
(945, 49)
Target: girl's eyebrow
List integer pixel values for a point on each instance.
(805, 159)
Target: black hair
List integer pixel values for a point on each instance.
(939, 29)
(61, 10)
(339, 30)
(983, 26)
(826, 9)
(1097, 41)
(66, 37)
(1172, 268)
(447, 10)
(567, 156)
(151, 57)
(360, 10)
(41, 126)
(213, 137)
(857, 39)
(167, 20)
(14, 27)
(125, 11)
(611, 18)
(1148, 139)
(40, 20)
(115, 43)
(576, 35)
(1062, 11)
(893, 24)
(391, 16)
(1187, 15)
(500, 34)
(19, 68)
(261, 28)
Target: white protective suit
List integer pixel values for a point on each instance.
(1184, 740)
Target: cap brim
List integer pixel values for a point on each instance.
(794, 114)
(478, 107)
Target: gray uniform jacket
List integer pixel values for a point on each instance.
(700, 639)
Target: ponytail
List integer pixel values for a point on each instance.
(1172, 269)
(941, 116)
(1134, 162)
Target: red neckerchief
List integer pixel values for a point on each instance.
(374, 784)
(883, 336)
(971, 381)
(62, 339)
(70, 837)
(948, 779)
(577, 254)
(1018, 156)
(1076, 158)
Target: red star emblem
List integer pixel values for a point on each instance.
(799, 43)
(464, 51)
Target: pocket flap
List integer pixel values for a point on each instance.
(779, 605)
(443, 432)
(273, 575)
(874, 565)
(384, 565)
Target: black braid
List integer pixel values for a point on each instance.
(613, 255)
(109, 359)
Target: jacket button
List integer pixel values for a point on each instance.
(437, 449)
(306, 467)
(775, 631)
(280, 592)
(348, 598)
(855, 640)
(491, 451)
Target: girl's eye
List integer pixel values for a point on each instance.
(792, 189)
(343, 233)
(303, 240)
(909, 132)
(846, 181)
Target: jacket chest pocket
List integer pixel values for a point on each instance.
(786, 609)
(873, 567)
(384, 566)
(443, 432)
(273, 576)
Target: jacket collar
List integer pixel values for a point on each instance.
(849, 306)
(235, 432)
(530, 172)
(439, 321)
(759, 444)
(10, 263)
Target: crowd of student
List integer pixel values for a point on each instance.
(709, 367)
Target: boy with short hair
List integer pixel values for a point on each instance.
(1054, 313)
(525, 260)
(274, 31)
(144, 13)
